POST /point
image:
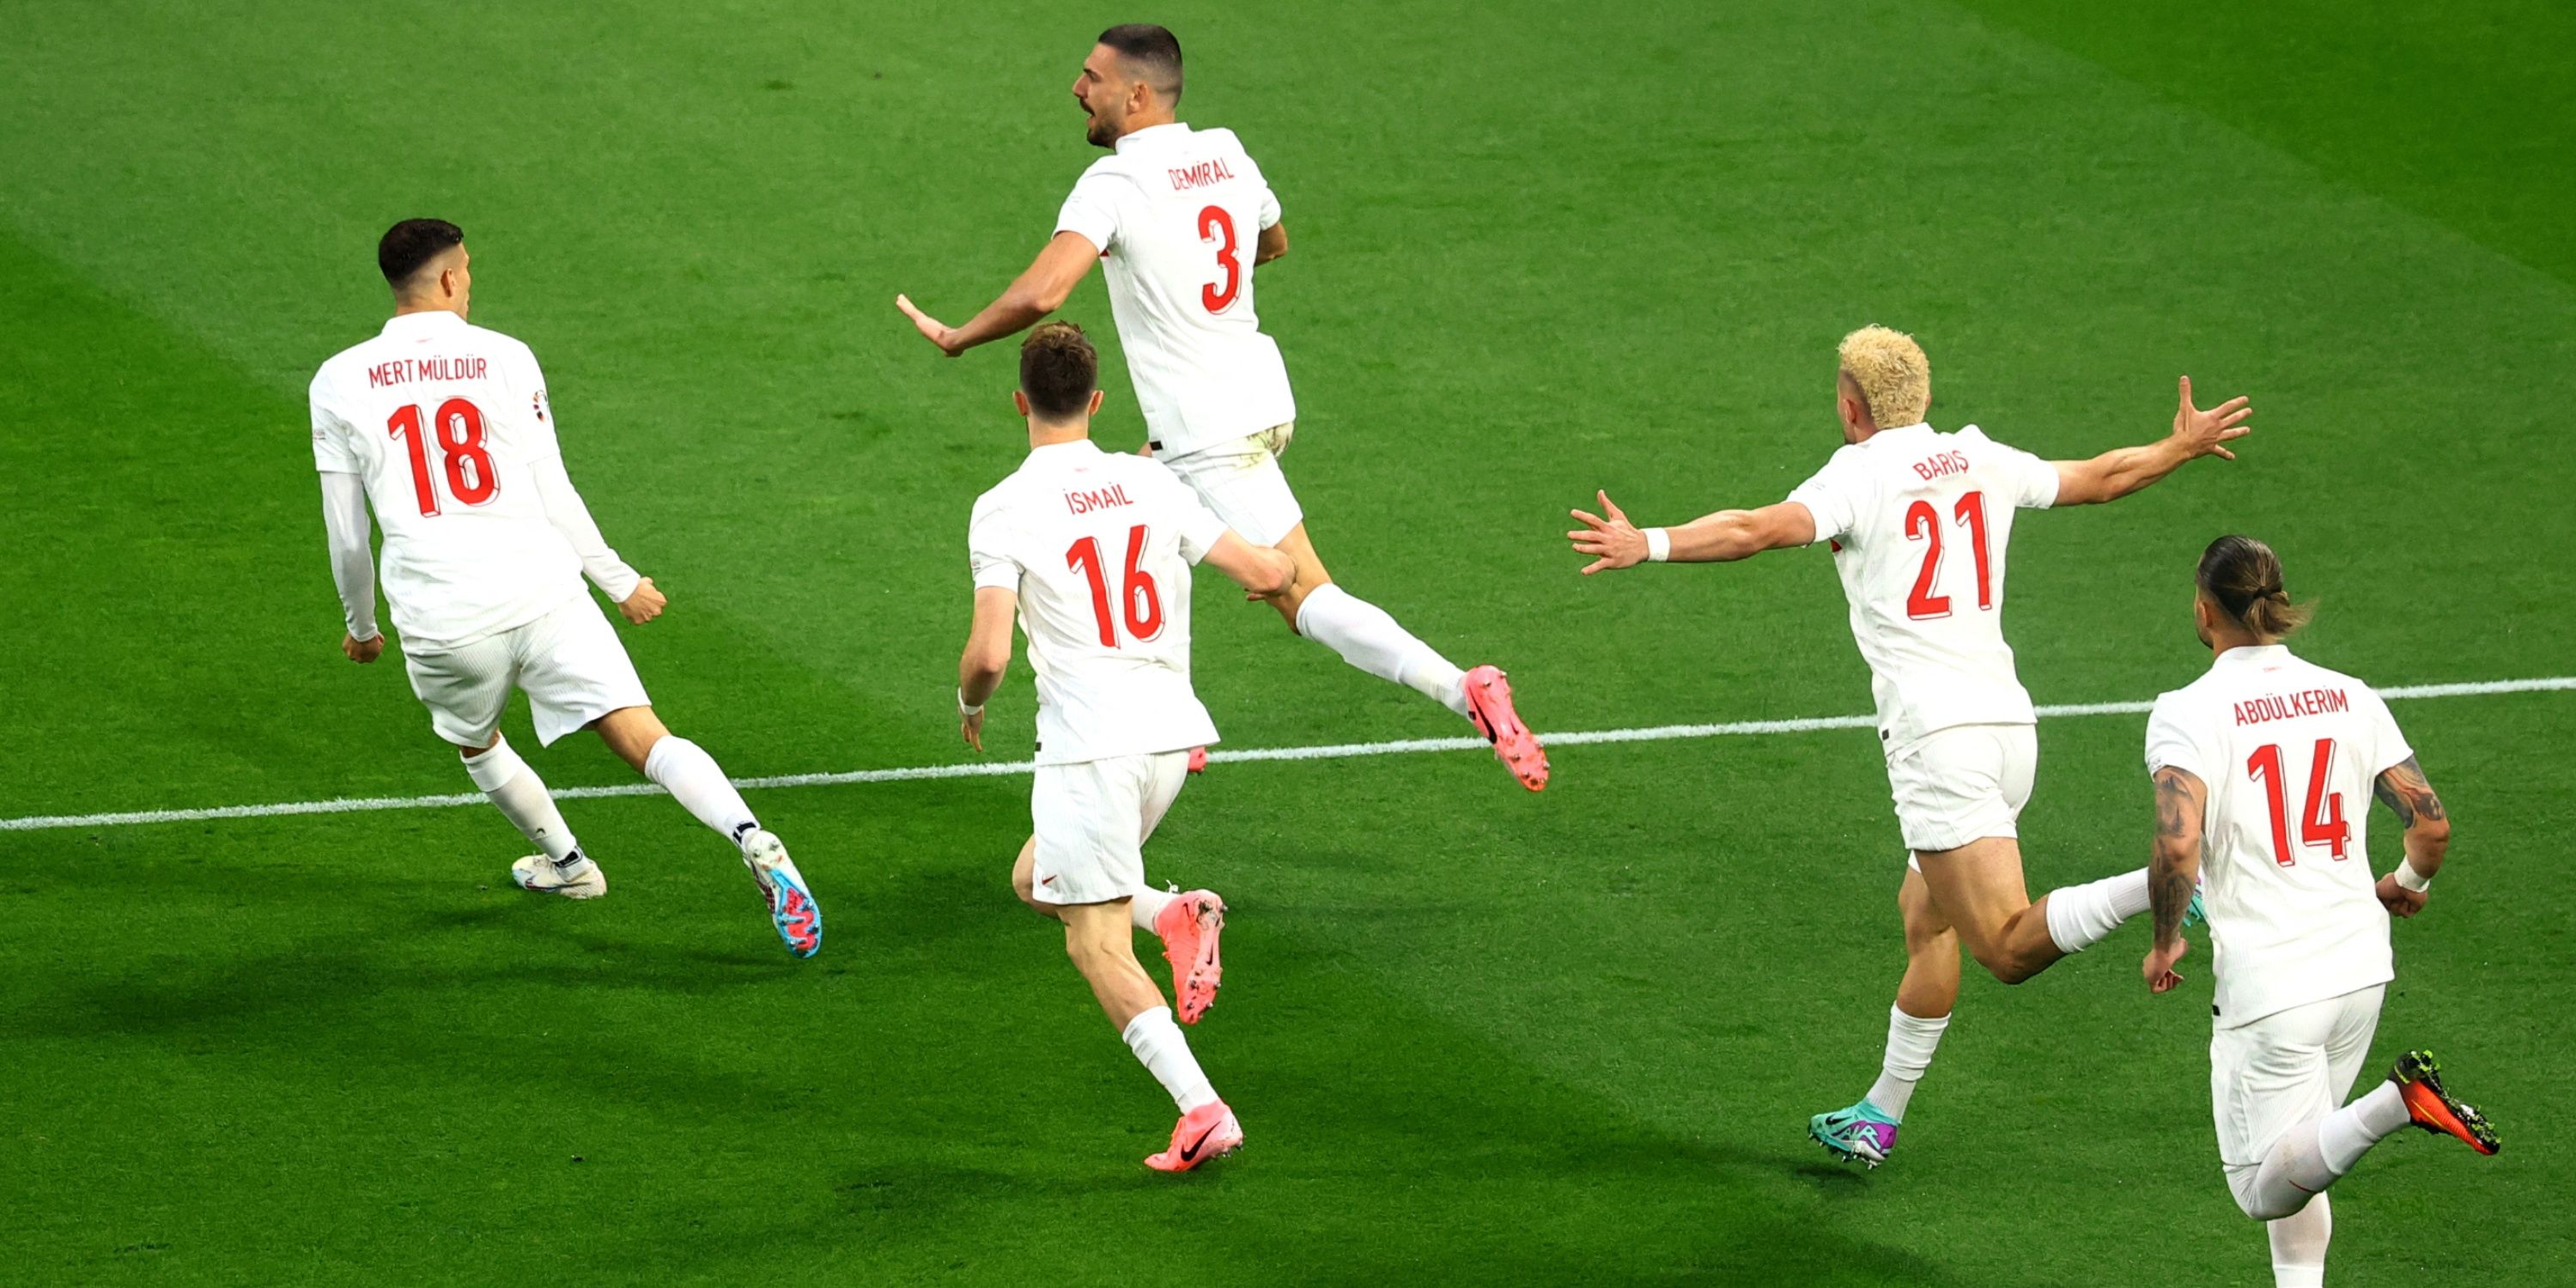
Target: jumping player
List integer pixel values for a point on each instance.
(1919, 520)
(2253, 763)
(1181, 217)
(1092, 551)
(443, 427)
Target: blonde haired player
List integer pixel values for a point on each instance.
(443, 427)
(2253, 765)
(1092, 551)
(1919, 520)
(1181, 217)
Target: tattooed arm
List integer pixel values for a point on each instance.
(2407, 794)
(2181, 798)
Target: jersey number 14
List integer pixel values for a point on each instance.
(2321, 823)
(460, 444)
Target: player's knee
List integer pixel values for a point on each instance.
(2007, 967)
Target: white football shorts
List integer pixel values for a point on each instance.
(1092, 819)
(569, 662)
(2279, 1071)
(1962, 784)
(1242, 482)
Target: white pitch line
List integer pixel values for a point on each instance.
(1003, 769)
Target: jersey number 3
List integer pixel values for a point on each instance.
(1143, 604)
(2321, 823)
(1217, 226)
(1923, 523)
(460, 443)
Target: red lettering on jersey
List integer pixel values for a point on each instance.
(2306, 702)
(1200, 175)
(1097, 499)
(1933, 467)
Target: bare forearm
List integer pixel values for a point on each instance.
(1017, 310)
(2174, 872)
(978, 678)
(1723, 537)
(2119, 473)
(2407, 794)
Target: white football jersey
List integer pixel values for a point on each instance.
(1099, 547)
(1920, 521)
(442, 419)
(1175, 213)
(2290, 752)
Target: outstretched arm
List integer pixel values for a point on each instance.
(987, 656)
(1272, 244)
(1040, 290)
(1723, 537)
(2181, 801)
(353, 563)
(1263, 570)
(2406, 792)
(636, 597)
(2116, 474)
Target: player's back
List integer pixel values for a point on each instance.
(2289, 752)
(1101, 544)
(1921, 521)
(443, 421)
(1176, 213)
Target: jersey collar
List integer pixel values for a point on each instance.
(1055, 451)
(1153, 134)
(2253, 655)
(425, 320)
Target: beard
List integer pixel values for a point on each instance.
(1100, 133)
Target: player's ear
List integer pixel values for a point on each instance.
(1094, 409)
(1020, 402)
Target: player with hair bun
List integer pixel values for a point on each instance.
(2253, 764)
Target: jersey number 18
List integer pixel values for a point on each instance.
(460, 443)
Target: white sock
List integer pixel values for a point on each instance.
(2299, 1245)
(521, 797)
(685, 770)
(2348, 1133)
(1911, 1039)
(1159, 1046)
(1147, 904)
(1369, 639)
(2081, 916)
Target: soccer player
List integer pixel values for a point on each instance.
(1169, 212)
(2252, 765)
(1092, 551)
(443, 428)
(1919, 520)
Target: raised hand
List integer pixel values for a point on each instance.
(931, 328)
(1613, 542)
(2202, 432)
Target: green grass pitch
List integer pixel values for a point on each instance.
(1476, 1036)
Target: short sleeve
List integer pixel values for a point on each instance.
(1092, 210)
(2034, 481)
(1200, 528)
(1269, 208)
(331, 452)
(1832, 496)
(2388, 749)
(988, 549)
(2169, 741)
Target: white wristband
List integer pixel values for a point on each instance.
(1659, 545)
(965, 710)
(2409, 879)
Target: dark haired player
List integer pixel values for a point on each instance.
(1181, 217)
(2253, 765)
(1092, 551)
(444, 429)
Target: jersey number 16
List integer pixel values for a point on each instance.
(1141, 601)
